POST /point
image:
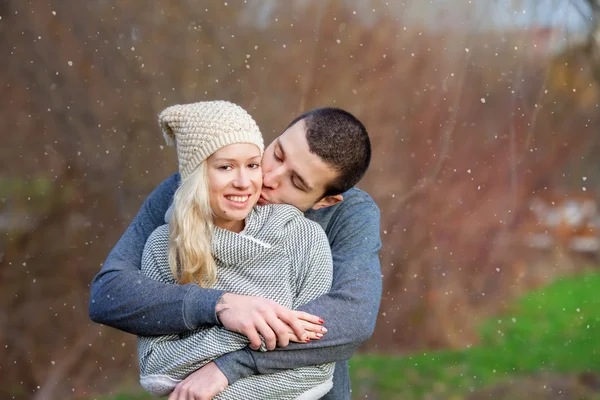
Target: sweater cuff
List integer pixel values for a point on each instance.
(199, 306)
(237, 365)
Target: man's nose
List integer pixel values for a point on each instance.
(272, 178)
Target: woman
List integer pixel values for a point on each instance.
(217, 237)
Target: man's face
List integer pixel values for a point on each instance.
(293, 175)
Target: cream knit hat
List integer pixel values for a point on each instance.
(200, 129)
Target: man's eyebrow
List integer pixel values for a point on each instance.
(303, 181)
(280, 147)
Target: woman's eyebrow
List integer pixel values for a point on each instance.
(227, 159)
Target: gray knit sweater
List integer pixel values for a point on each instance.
(280, 255)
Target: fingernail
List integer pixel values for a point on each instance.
(321, 321)
(307, 340)
(319, 335)
(324, 330)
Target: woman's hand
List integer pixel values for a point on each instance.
(313, 326)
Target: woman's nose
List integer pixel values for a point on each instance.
(242, 180)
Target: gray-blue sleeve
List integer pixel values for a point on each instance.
(349, 309)
(123, 298)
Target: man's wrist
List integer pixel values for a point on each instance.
(199, 306)
(220, 307)
(237, 365)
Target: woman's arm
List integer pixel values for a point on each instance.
(314, 263)
(165, 360)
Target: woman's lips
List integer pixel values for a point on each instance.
(238, 201)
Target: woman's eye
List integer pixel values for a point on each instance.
(277, 158)
(254, 165)
(225, 167)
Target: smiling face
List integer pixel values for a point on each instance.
(293, 175)
(234, 182)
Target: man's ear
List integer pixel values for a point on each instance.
(328, 201)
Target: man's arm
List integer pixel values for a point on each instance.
(123, 298)
(349, 309)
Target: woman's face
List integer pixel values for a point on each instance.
(234, 182)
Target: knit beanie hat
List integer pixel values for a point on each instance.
(200, 129)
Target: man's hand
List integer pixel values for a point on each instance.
(204, 384)
(251, 316)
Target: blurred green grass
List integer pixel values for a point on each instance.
(553, 329)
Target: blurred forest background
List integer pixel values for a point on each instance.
(484, 119)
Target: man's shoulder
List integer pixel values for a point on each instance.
(356, 196)
(172, 182)
(164, 192)
(355, 201)
(356, 206)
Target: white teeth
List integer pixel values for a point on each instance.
(237, 199)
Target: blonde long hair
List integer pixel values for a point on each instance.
(190, 231)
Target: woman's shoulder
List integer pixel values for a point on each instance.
(285, 222)
(285, 211)
(159, 235)
(155, 259)
(301, 227)
(158, 241)
(286, 214)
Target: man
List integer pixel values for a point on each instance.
(313, 165)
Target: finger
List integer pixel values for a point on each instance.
(175, 393)
(198, 395)
(308, 317)
(194, 396)
(251, 333)
(281, 330)
(267, 333)
(186, 393)
(311, 336)
(290, 318)
(310, 327)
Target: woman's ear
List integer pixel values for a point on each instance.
(328, 201)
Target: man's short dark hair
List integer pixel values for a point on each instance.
(341, 141)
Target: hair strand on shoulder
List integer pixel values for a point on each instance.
(190, 231)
